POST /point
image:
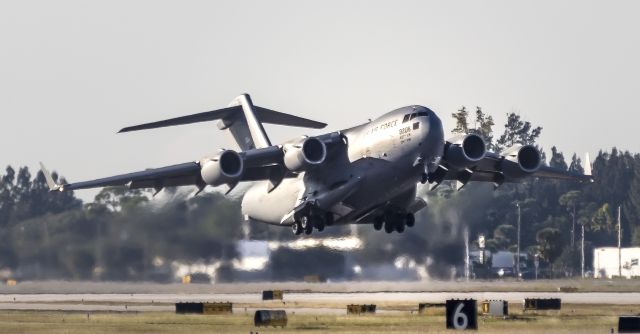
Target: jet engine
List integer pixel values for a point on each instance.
(465, 151)
(304, 155)
(225, 168)
(527, 160)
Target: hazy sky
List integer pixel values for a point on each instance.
(74, 72)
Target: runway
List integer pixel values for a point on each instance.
(327, 303)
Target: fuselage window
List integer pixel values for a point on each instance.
(413, 116)
(406, 118)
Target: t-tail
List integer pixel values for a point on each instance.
(242, 119)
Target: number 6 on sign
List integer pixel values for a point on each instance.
(460, 320)
(462, 314)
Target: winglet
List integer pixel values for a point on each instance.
(587, 165)
(53, 186)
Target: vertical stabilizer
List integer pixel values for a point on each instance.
(247, 131)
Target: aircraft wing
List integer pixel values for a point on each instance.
(176, 175)
(258, 166)
(497, 176)
(513, 165)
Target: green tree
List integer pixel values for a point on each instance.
(570, 201)
(517, 131)
(549, 243)
(631, 205)
(462, 123)
(504, 236)
(484, 127)
(120, 197)
(7, 200)
(557, 159)
(602, 219)
(576, 165)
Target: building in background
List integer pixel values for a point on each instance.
(607, 265)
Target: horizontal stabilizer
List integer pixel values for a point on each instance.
(264, 115)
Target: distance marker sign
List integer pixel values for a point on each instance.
(462, 314)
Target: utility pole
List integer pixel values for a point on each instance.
(573, 226)
(582, 251)
(467, 270)
(518, 249)
(619, 245)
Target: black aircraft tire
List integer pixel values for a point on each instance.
(377, 224)
(410, 219)
(296, 228)
(400, 227)
(305, 223)
(389, 227)
(318, 222)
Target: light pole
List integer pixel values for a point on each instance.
(582, 254)
(518, 249)
(619, 245)
(467, 270)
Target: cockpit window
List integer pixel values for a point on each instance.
(409, 117)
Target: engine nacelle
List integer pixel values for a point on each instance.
(304, 155)
(527, 160)
(225, 168)
(465, 151)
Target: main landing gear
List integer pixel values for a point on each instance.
(307, 222)
(394, 221)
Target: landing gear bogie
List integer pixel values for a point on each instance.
(394, 221)
(312, 219)
(389, 226)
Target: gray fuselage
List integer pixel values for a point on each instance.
(384, 159)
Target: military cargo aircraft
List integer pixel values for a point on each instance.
(367, 174)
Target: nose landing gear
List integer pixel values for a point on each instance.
(307, 222)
